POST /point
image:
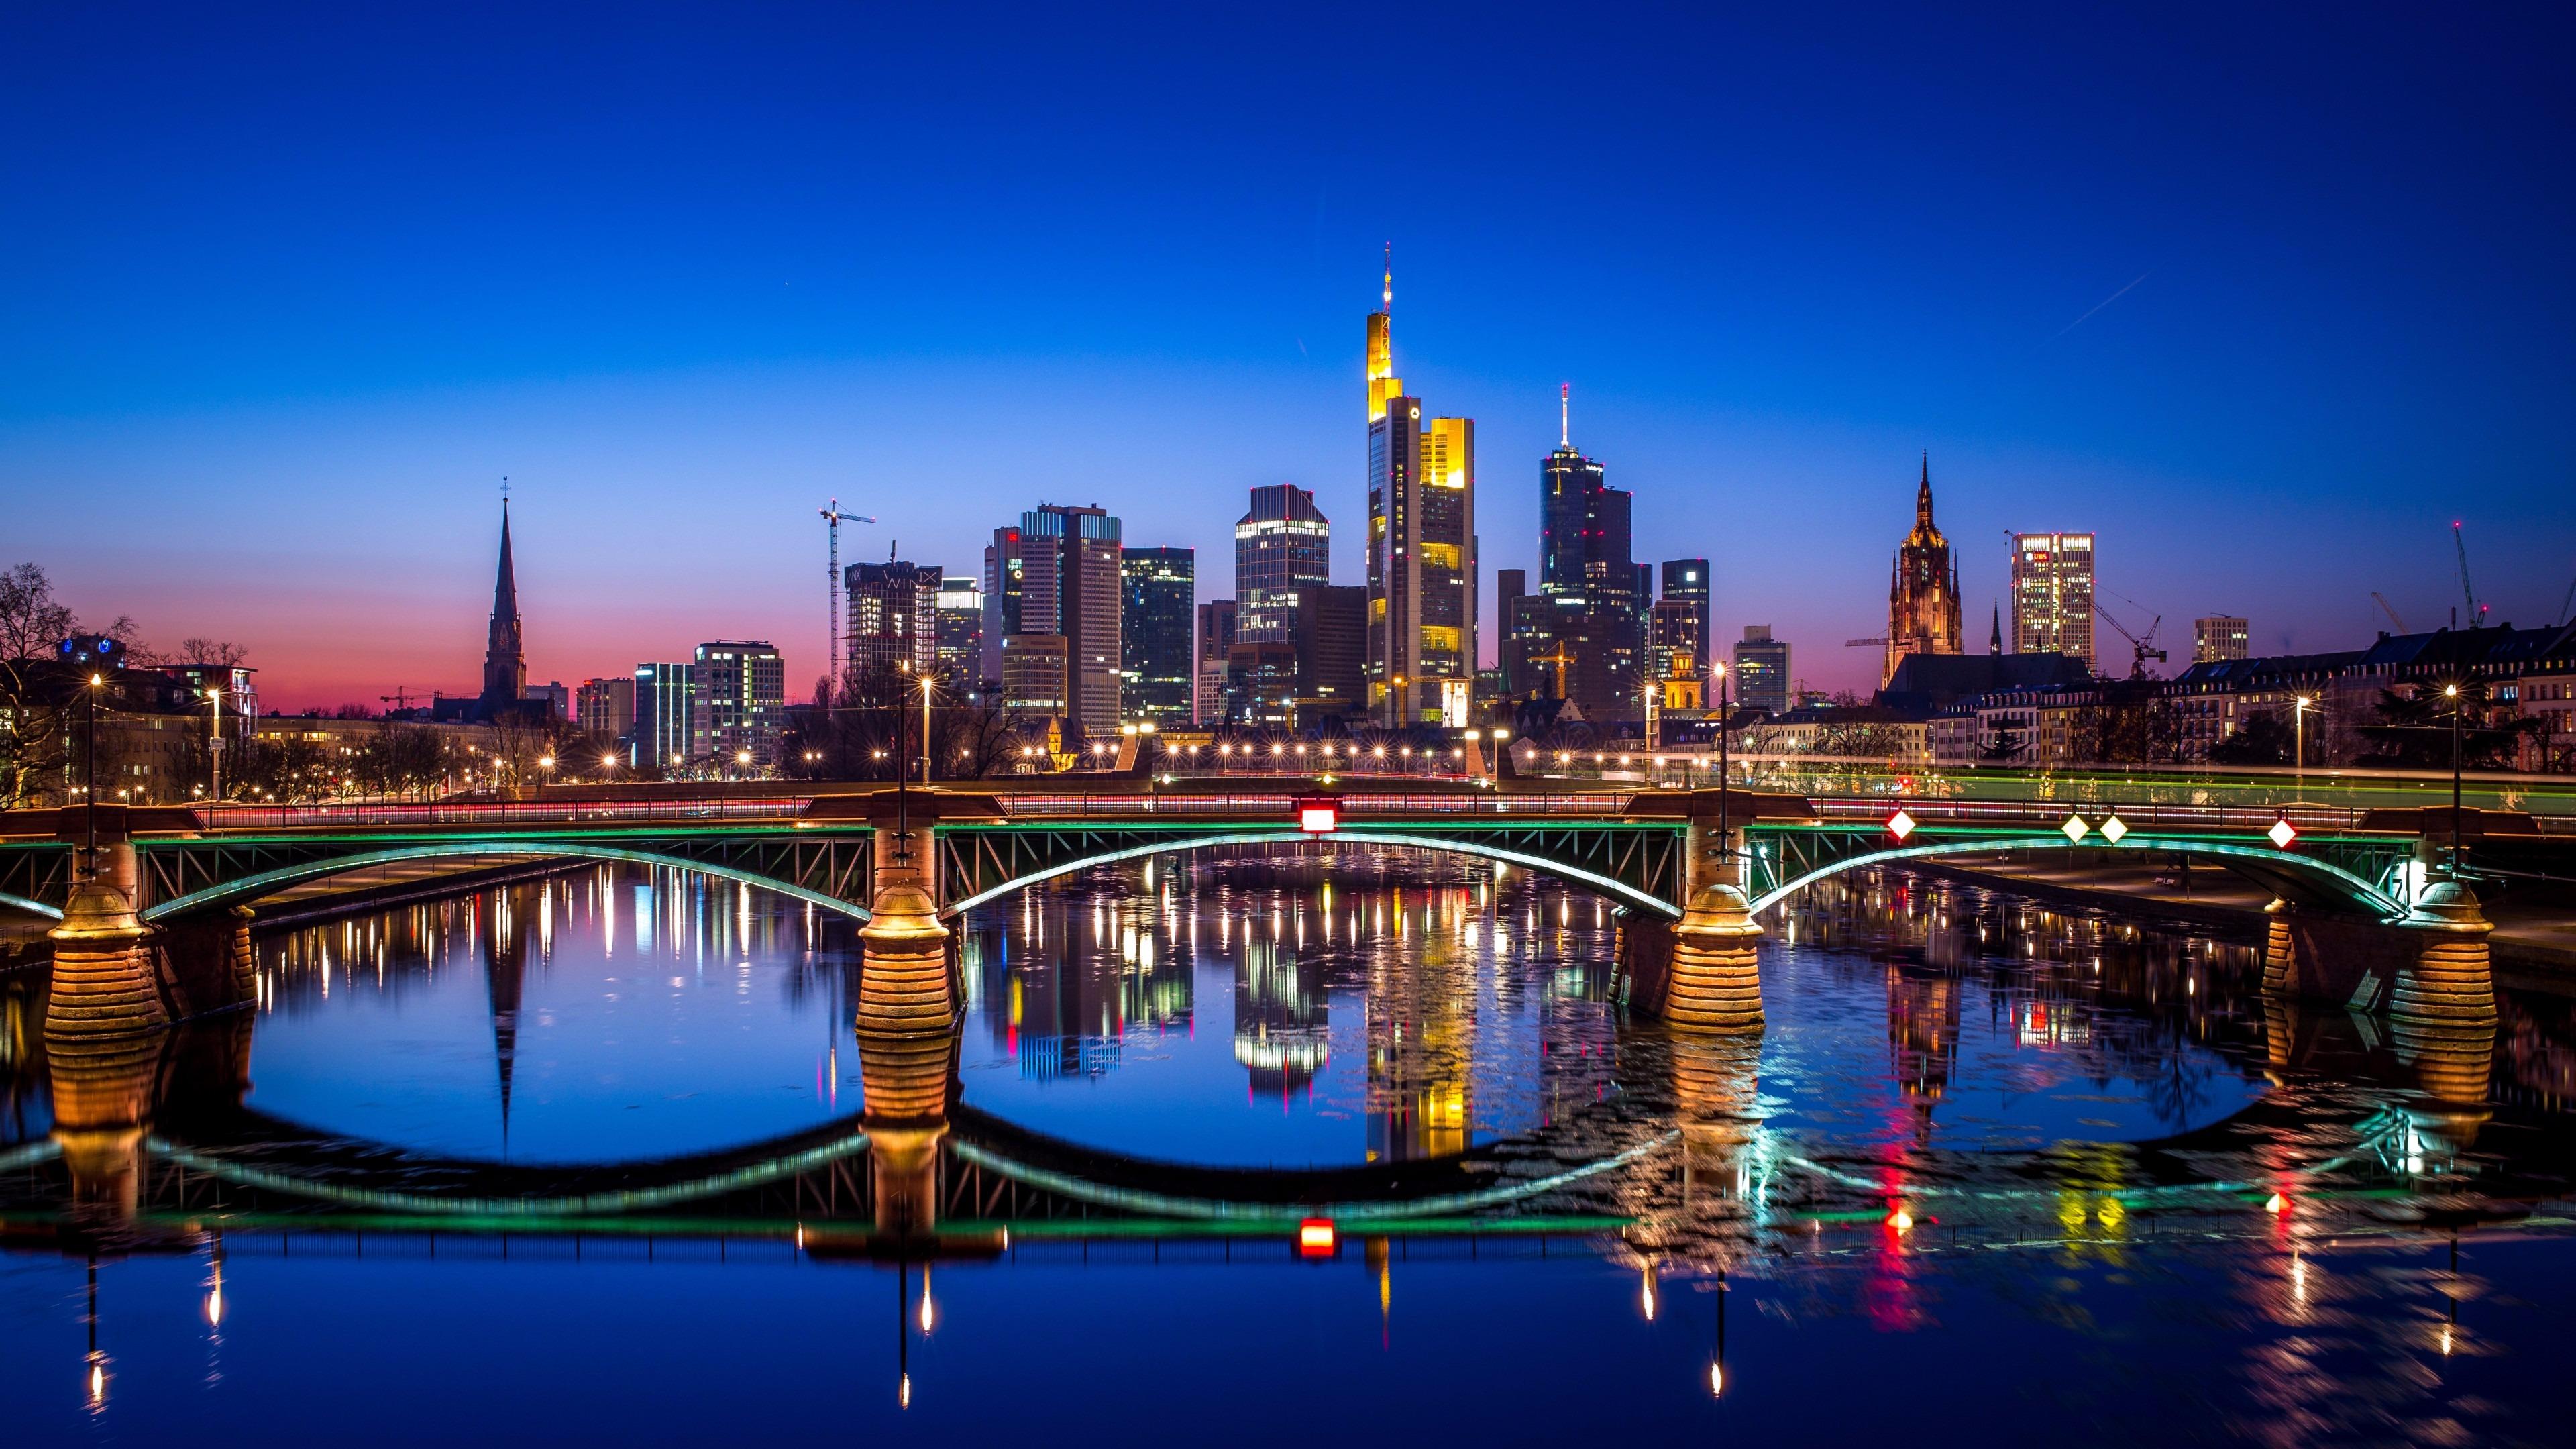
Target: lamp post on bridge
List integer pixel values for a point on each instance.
(2452, 693)
(1725, 841)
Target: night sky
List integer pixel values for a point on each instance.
(2266, 298)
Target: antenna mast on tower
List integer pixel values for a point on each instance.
(832, 516)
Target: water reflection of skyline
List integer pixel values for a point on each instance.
(1441, 1003)
(1421, 999)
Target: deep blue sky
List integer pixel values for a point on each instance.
(284, 293)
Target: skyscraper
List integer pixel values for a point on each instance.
(961, 636)
(2219, 636)
(1331, 639)
(1675, 640)
(894, 618)
(1215, 645)
(1158, 674)
(1923, 593)
(737, 704)
(1689, 581)
(505, 661)
(1281, 542)
(1070, 586)
(1761, 670)
(661, 738)
(2052, 593)
(1422, 546)
(1002, 593)
(1510, 661)
(1588, 573)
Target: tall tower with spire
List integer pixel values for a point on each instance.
(1923, 597)
(1587, 574)
(1422, 545)
(505, 662)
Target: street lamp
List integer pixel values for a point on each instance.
(1725, 841)
(2452, 693)
(2299, 739)
(215, 742)
(97, 682)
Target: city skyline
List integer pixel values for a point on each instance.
(2290, 346)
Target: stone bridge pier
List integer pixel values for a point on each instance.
(1702, 973)
(2429, 972)
(907, 1031)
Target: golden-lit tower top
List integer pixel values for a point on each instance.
(1382, 381)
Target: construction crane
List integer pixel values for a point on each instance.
(1865, 643)
(2469, 595)
(2141, 647)
(832, 516)
(2391, 611)
(401, 697)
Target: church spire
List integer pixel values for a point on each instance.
(505, 664)
(1923, 496)
(1995, 637)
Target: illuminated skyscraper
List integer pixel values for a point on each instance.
(1422, 547)
(1589, 577)
(661, 739)
(1923, 593)
(1154, 628)
(894, 618)
(1761, 670)
(1688, 580)
(1215, 645)
(1070, 587)
(2052, 593)
(737, 704)
(961, 636)
(1283, 541)
(1002, 590)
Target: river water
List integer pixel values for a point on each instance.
(1995, 1173)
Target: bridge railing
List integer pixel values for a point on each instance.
(2145, 816)
(1280, 806)
(450, 813)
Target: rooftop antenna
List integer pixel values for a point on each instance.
(832, 516)
(1386, 299)
(1565, 415)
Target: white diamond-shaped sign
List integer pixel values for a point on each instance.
(2075, 828)
(2281, 833)
(1900, 824)
(2114, 828)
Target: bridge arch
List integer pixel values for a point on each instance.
(253, 886)
(1621, 891)
(2274, 868)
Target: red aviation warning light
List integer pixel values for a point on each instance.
(1319, 814)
